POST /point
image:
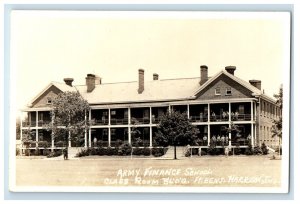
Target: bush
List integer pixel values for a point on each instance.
(125, 149)
(18, 151)
(203, 153)
(101, 151)
(264, 149)
(249, 150)
(111, 151)
(212, 150)
(43, 144)
(158, 152)
(237, 150)
(55, 153)
(46, 152)
(37, 151)
(93, 151)
(146, 151)
(59, 144)
(137, 151)
(257, 150)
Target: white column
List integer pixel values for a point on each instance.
(188, 111)
(229, 136)
(129, 129)
(36, 129)
(52, 133)
(208, 114)
(90, 130)
(252, 136)
(85, 133)
(69, 138)
(169, 108)
(255, 111)
(255, 131)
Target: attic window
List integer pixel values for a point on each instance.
(218, 91)
(228, 91)
(49, 100)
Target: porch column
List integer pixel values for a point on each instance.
(254, 105)
(188, 111)
(169, 108)
(90, 130)
(109, 134)
(150, 132)
(69, 138)
(129, 129)
(36, 129)
(208, 114)
(229, 136)
(255, 138)
(85, 133)
(252, 136)
(52, 133)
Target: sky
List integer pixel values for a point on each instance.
(51, 45)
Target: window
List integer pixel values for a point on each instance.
(49, 100)
(218, 91)
(228, 91)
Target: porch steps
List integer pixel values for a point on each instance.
(180, 152)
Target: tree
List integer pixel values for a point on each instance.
(277, 123)
(174, 128)
(69, 117)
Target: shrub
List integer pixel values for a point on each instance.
(111, 151)
(55, 153)
(46, 152)
(203, 153)
(125, 149)
(158, 152)
(249, 150)
(137, 151)
(257, 150)
(43, 144)
(93, 151)
(237, 150)
(146, 151)
(264, 149)
(18, 151)
(212, 150)
(37, 151)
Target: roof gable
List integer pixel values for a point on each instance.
(54, 88)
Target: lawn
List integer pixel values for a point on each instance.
(244, 171)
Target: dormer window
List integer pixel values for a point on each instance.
(218, 91)
(49, 100)
(228, 91)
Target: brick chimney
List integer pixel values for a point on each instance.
(230, 69)
(68, 81)
(155, 76)
(255, 83)
(97, 80)
(90, 82)
(203, 74)
(141, 81)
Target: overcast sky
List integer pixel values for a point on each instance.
(49, 46)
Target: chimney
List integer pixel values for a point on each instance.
(68, 81)
(90, 82)
(141, 81)
(230, 69)
(155, 76)
(97, 80)
(203, 74)
(255, 83)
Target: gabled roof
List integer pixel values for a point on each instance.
(61, 86)
(255, 91)
(155, 90)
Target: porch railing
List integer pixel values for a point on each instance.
(241, 117)
(28, 124)
(43, 122)
(101, 122)
(122, 121)
(198, 118)
(143, 120)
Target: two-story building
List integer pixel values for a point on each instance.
(212, 104)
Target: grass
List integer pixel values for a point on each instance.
(244, 171)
